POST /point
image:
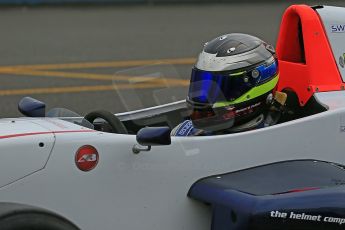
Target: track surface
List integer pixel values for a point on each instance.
(75, 57)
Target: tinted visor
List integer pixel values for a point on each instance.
(210, 87)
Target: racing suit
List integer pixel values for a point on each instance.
(276, 109)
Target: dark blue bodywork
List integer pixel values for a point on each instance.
(31, 107)
(308, 195)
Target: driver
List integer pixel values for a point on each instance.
(232, 88)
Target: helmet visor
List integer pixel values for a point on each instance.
(210, 87)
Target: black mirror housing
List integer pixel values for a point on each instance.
(153, 136)
(31, 107)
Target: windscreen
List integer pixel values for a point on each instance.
(151, 85)
(70, 116)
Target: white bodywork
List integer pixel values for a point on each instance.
(147, 191)
(334, 24)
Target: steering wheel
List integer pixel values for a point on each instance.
(116, 125)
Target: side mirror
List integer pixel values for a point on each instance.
(152, 136)
(31, 107)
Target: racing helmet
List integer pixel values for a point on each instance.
(233, 79)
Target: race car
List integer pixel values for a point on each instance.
(124, 171)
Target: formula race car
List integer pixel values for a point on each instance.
(126, 172)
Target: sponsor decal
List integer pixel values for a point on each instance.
(247, 110)
(307, 217)
(185, 128)
(342, 129)
(86, 158)
(342, 61)
(338, 181)
(339, 28)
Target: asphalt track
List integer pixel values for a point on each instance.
(116, 58)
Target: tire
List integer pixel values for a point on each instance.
(23, 217)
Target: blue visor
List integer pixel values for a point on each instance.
(211, 87)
